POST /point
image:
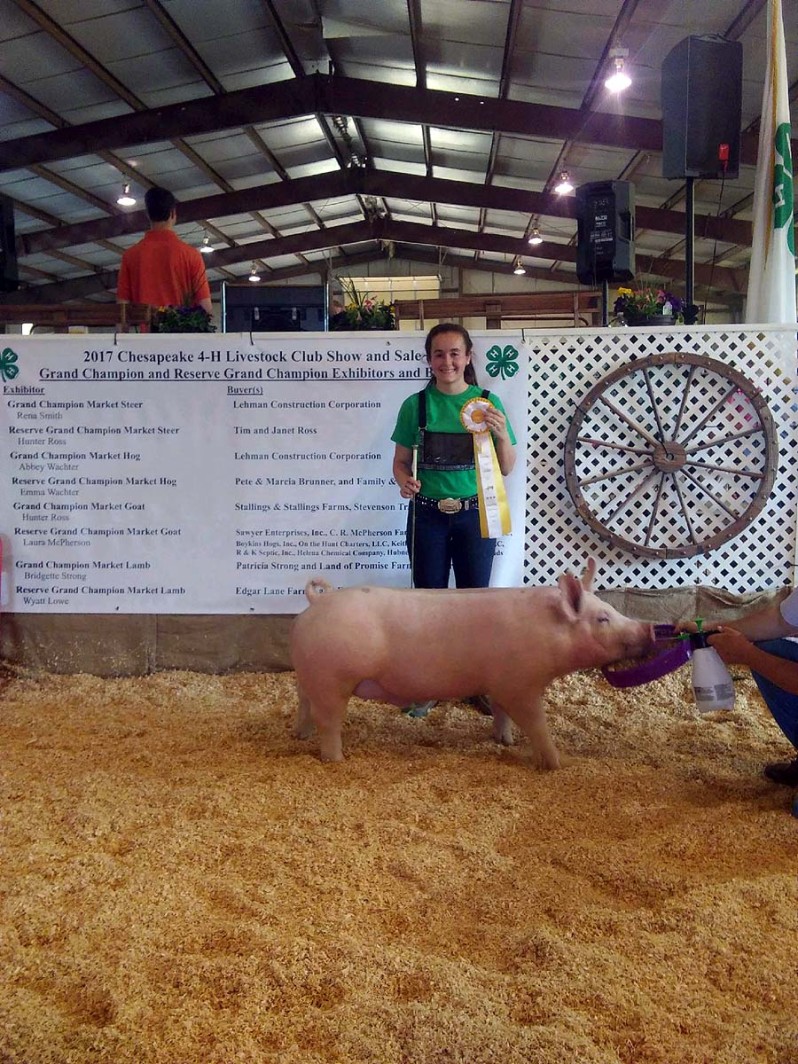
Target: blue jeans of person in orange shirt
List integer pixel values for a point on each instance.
(438, 543)
(781, 703)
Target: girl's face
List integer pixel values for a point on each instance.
(448, 359)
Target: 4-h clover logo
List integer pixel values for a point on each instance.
(8, 367)
(502, 362)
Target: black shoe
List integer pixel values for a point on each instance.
(784, 772)
(418, 710)
(481, 704)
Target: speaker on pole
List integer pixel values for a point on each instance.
(8, 248)
(605, 232)
(701, 95)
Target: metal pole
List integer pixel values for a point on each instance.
(689, 240)
(605, 300)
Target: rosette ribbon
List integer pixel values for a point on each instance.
(494, 510)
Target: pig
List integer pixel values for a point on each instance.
(400, 646)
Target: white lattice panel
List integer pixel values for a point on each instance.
(564, 366)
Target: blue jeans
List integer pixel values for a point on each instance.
(782, 705)
(437, 543)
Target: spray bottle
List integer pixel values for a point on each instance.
(712, 684)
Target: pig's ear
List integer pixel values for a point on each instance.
(588, 574)
(571, 591)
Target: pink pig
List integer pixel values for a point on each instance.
(402, 646)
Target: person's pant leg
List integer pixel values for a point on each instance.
(781, 704)
(428, 546)
(472, 556)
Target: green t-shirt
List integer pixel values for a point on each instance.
(443, 415)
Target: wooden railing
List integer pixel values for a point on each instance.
(60, 316)
(578, 307)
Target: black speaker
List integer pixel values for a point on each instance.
(9, 281)
(702, 91)
(605, 232)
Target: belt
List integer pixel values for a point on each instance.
(447, 506)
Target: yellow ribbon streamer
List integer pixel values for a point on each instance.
(494, 509)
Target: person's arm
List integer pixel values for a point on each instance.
(767, 623)
(737, 649)
(403, 472)
(206, 305)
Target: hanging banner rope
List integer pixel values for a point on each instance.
(494, 510)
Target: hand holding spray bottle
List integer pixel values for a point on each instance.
(712, 683)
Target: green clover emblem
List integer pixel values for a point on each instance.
(502, 362)
(8, 370)
(783, 194)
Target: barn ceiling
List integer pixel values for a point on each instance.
(312, 136)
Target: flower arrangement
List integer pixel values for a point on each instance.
(363, 311)
(638, 306)
(183, 319)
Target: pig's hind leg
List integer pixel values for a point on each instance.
(303, 725)
(531, 719)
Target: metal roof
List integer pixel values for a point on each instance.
(314, 136)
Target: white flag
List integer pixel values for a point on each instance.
(771, 280)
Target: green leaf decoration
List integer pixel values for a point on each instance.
(8, 369)
(502, 362)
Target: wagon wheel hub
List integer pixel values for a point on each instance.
(669, 456)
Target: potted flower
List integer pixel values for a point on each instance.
(362, 311)
(183, 319)
(648, 306)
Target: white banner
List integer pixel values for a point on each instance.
(216, 473)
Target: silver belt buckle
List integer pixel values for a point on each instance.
(450, 506)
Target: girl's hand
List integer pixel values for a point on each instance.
(497, 423)
(409, 487)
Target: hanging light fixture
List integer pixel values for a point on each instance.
(125, 199)
(564, 186)
(254, 276)
(205, 246)
(518, 267)
(619, 80)
(535, 238)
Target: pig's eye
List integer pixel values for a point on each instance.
(603, 618)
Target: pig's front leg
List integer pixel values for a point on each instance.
(530, 717)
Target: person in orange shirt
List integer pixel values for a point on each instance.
(161, 269)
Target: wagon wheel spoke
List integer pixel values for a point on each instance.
(756, 474)
(708, 417)
(629, 421)
(636, 468)
(654, 407)
(683, 405)
(685, 512)
(725, 439)
(654, 510)
(630, 498)
(711, 494)
(612, 446)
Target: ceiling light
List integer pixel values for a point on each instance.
(205, 247)
(563, 186)
(126, 200)
(519, 268)
(619, 80)
(254, 276)
(535, 237)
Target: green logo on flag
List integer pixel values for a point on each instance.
(783, 185)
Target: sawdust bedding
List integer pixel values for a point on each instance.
(182, 881)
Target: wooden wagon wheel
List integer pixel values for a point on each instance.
(671, 455)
